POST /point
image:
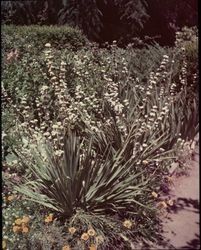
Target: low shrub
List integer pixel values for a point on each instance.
(34, 37)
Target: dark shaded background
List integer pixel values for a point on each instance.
(107, 20)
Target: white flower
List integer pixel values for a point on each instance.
(54, 78)
(4, 135)
(54, 133)
(44, 87)
(63, 63)
(165, 56)
(46, 134)
(47, 45)
(59, 152)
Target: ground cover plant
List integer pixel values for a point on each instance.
(89, 137)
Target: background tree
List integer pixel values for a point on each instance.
(168, 16)
(107, 20)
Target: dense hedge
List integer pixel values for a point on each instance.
(22, 37)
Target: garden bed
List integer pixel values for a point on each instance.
(89, 139)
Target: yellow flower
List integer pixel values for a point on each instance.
(91, 232)
(170, 202)
(18, 222)
(72, 230)
(25, 229)
(154, 194)
(162, 204)
(128, 224)
(99, 239)
(4, 244)
(85, 236)
(25, 219)
(10, 197)
(16, 229)
(93, 247)
(49, 218)
(23, 225)
(145, 162)
(66, 247)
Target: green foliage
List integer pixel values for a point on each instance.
(91, 68)
(95, 131)
(146, 60)
(133, 12)
(11, 211)
(189, 38)
(33, 38)
(91, 184)
(44, 237)
(83, 14)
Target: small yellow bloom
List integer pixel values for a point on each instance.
(49, 218)
(25, 229)
(18, 222)
(91, 232)
(4, 244)
(93, 247)
(162, 204)
(154, 194)
(170, 202)
(16, 229)
(25, 219)
(85, 236)
(128, 224)
(23, 225)
(145, 162)
(10, 198)
(66, 247)
(72, 230)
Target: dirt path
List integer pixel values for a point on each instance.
(181, 223)
(181, 227)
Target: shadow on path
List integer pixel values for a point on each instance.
(184, 203)
(193, 244)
